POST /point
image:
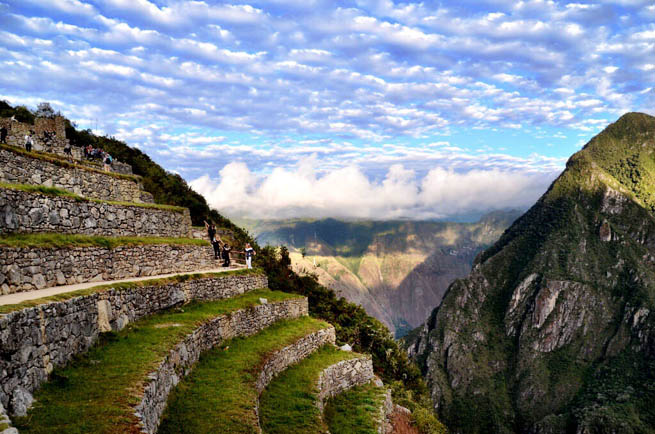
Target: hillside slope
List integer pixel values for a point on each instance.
(553, 330)
(397, 270)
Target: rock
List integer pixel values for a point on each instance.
(345, 347)
(104, 316)
(21, 401)
(61, 279)
(263, 301)
(605, 232)
(39, 281)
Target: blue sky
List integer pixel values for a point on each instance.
(363, 108)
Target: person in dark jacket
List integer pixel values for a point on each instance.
(3, 135)
(226, 255)
(216, 244)
(211, 231)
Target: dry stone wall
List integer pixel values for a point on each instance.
(179, 361)
(16, 168)
(25, 212)
(16, 132)
(27, 269)
(342, 376)
(34, 341)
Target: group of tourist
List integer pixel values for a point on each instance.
(222, 250)
(91, 153)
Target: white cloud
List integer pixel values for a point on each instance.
(347, 192)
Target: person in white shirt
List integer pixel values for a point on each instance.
(250, 252)
(28, 142)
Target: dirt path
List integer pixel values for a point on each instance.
(46, 292)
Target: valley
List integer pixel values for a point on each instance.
(397, 270)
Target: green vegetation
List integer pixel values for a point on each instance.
(220, 395)
(288, 404)
(353, 326)
(52, 240)
(21, 113)
(7, 308)
(97, 391)
(617, 394)
(355, 411)
(58, 192)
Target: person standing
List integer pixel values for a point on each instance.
(250, 252)
(226, 255)
(107, 161)
(28, 142)
(3, 135)
(211, 231)
(216, 244)
(68, 151)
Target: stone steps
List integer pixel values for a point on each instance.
(222, 392)
(122, 383)
(20, 167)
(26, 211)
(294, 402)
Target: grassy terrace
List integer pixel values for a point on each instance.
(219, 395)
(58, 192)
(52, 240)
(63, 162)
(5, 309)
(355, 410)
(288, 405)
(96, 392)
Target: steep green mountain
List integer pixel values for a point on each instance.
(397, 270)
(553, 331)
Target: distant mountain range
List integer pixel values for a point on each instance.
(397, 270)
(554, 329)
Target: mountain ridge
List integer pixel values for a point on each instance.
(523, 343)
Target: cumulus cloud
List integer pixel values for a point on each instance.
(306, 191)
(363, 84)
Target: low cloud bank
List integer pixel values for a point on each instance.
(348, 193)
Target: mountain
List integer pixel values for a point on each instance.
(553, 331)
(397, 270)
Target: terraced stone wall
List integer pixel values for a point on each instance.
(342, 376)
(245, 322)
(34, 341)
(27, 269)
(26, 212)
(16, 168)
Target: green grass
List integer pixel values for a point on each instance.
(8, 308)
(288, 405)
(355, 411)
(63, 162)
(97, 392)
(58, 192)
(52, 240)
(219, 395)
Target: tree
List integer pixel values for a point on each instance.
(303, 252)
(45, 110)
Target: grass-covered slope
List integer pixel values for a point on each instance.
(288, 404)
(524, 343)
(220, 394)
(355, 411)
(98, 391)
